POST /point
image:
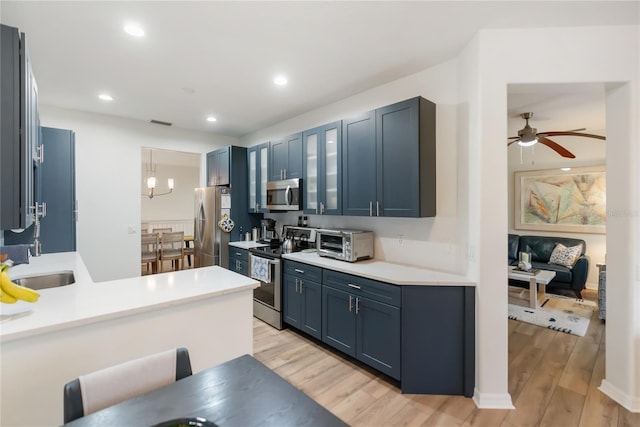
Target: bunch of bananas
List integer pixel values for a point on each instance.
(10, 292)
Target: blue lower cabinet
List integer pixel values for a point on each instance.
(291, 301)
(303, 305)
(363, 328)
(239, 260)
(338, 320)
(378, 336)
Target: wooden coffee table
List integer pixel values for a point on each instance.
(542, 277)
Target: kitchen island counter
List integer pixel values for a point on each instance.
(397, 274)
(86, 302)
(76, 329)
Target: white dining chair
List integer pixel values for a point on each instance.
(97, 390)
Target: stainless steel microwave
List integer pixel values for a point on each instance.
(285, 195)
(345, 245)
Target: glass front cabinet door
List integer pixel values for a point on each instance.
(322, 169)
(257, 162)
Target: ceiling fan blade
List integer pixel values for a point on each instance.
(570, 133)
(512, 142)
(556, 147)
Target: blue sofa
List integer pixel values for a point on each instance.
(572, 278)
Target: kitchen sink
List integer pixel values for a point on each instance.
(47, 280)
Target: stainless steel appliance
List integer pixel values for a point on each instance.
(265, 265)
(285, 195)
(345, 245)
(211, 245)
(267, 298)
(268, 233)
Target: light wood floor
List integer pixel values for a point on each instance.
(553, 380)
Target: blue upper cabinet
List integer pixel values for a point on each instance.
(322, 169)
(406, 155)
(258, 169)
(285, 158)
(389, 161)
(20, 132)
(359, 165)
(55, 184)
(218, 167)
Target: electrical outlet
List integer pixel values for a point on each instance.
(401, 239)
(472, 253)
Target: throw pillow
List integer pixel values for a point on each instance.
(563, 255)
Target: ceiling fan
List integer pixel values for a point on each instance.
(529, 136)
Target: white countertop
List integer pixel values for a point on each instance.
(87, 302)
(398, 274)
(248, 244)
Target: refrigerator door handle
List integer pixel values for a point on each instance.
(200, 224)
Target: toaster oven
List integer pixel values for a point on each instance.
(345, 245)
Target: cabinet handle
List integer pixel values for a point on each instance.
(357, 305)
(285, 174)
(40, 157)
(316, 209)
(350, 303)
(321, 208)
(300, 285)
(297, 286)
(370, 208)
(238, 254)
(298, 271)
(351, 285)
(377, 208)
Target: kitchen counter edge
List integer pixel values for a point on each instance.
(397, 274)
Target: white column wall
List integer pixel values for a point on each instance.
(108, 170)
(585, 54)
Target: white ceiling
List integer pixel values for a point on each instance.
(206, 57)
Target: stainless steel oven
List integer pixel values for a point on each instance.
(265, 266)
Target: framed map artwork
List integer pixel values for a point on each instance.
(555, 200)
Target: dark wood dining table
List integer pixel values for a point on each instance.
(241, 392)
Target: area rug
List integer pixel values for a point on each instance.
(560, 313)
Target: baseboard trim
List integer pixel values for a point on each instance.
(492, 400)
(632, 404)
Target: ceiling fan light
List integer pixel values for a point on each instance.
(524, 143)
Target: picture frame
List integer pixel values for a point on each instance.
(553, 200)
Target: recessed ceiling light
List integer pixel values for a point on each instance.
(565, 169)
(105, 97)
(211, 119)
(134, 30)
(280, 80)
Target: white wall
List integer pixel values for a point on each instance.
(430, 242)
(108, 170)
(585, 54)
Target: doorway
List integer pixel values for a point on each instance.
(169, 204)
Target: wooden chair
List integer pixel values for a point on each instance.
(150, 250)
(172, 248)
(188, 250)
(160, 231)
(120, 382)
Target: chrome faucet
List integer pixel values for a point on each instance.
(39, 211)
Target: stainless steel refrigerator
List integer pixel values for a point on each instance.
(211, 244)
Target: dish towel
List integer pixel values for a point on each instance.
(19, 254)
(260, 269)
